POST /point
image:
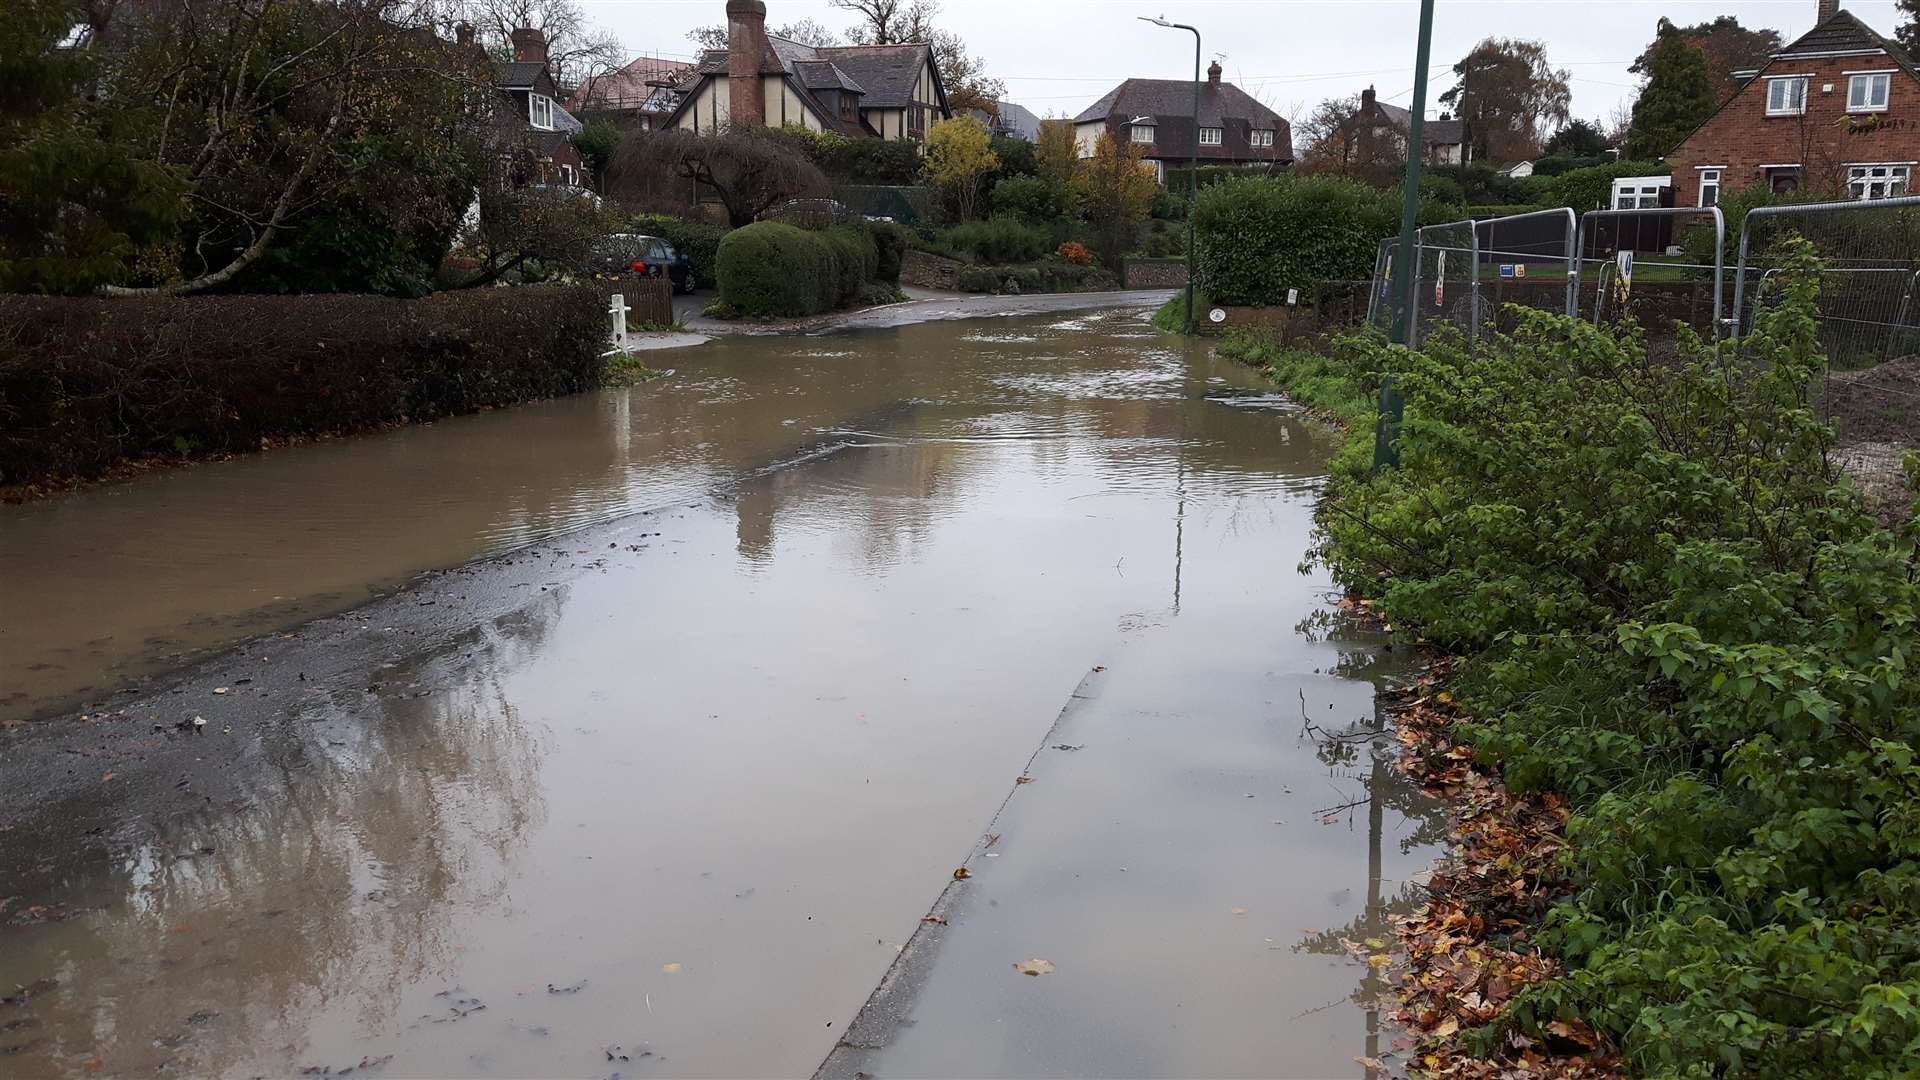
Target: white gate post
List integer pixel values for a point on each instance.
(618, 309)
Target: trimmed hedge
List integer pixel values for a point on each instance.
(771, 268)
(86, 382)
(1259, 237)
(890, 243)
(1003, 239)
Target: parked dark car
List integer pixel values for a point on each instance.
(647, 255)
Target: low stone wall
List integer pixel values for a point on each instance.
(1154, 273)
(930, 271)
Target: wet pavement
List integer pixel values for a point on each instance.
(665, 783)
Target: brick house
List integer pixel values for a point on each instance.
(1835, 113)
(1443, 139)
(1157, 115)
(861, 91)
(642, 94)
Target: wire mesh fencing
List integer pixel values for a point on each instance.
(1656, 266)
(1868, 316)
(1443, 286)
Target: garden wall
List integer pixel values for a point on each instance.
(86, 382)
(1154, 273)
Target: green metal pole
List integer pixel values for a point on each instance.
(1392, 405)
(1193, 176)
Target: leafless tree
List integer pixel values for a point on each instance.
(576, 49)
(804, 31)
(750, 170)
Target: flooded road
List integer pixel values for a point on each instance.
(669, 793)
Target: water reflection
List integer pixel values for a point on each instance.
(333, 879)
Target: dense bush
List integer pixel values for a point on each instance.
(1258, 237)
(1167, 206)
(1033, 199)
(1209, 175)
(855, 161)
(85, 382)
(996, 240)
(1584, 189)
(697, 240)
(1674, 611)
(1049, 277)
(890, 243)
(770, 268)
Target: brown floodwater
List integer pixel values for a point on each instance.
(678, 810)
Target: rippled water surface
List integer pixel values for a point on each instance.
(676, 804)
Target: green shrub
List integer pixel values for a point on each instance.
(890, 246)
(1172, 315)
(1168, 206)
(1033, 199)
(1050, 277)
(995, 240)
(1676, 613)
(1589, 188)
(85, 382)
(1258, 237)
(774, 269)
(697, 240)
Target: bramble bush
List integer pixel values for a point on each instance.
(1673, 609)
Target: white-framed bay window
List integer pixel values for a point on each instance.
(1867, 91)
(1710, 184)
(1210, 136)
(1142, 133)
(1787, 95)
(1638, 192)
(1879, 180)
(540, 111)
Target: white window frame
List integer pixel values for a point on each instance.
(566, 175)
(1710, 177)
(1638, 192)
(1142, 133)
(1881, 80)
(1219, 136)
(1263, 136)
(1786, 109)
(539, 111)
(1878, 179)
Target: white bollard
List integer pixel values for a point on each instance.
(618, 309)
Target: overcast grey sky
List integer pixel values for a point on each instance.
(1057, 56)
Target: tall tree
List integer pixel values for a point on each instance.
(576, 49)
(1908, 34)
(1678, 96)
(804, 31)
(751, 170)
(1056, 153)
(965, 76)
(889, 22)
(1729, 47)
(1342, 142)
(959, 155)
(1116, 190)
(1578, 139)
(1508, 98)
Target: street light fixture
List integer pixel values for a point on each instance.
(1193, 166)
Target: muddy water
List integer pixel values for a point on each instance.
(678, 810)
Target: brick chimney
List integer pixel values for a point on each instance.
(463, 34)
(1828, 9)
(1213, 73)
(1366, 100)
(749, 56)
(529, 46)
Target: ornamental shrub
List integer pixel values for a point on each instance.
(774, 269)
(890, 242)
(1033, 199)
(1075, 252)
(999, 239)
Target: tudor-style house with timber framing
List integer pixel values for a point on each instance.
(1836, 113)
(861, 91)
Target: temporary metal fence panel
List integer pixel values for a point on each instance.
(1379, 303)
(1446, 256)
(1621, 275)
(1529, 260)
(1868, 315)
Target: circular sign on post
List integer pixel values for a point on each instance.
(1218, 315)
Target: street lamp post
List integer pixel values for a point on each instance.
(1193, 165)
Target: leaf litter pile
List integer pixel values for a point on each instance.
(1469, 948)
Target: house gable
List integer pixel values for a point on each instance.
(1816, 148)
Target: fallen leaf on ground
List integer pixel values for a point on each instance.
(1035, 966)
(962, 874)
(670, 969)
(1239, 911)
(941, 919)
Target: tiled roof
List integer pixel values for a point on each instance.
(1019, 120)
(1844, 32)
(823, 75)
(1174, 97)
(630, 87)
(1432, 133)
(887, 72)
(516, 75)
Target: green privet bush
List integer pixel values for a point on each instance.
(998, 239)
(1035, 200)
(1259, 237)
(1674, 610)
(697, 240)
(890, 243)
(773, 269)
(86, 382)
